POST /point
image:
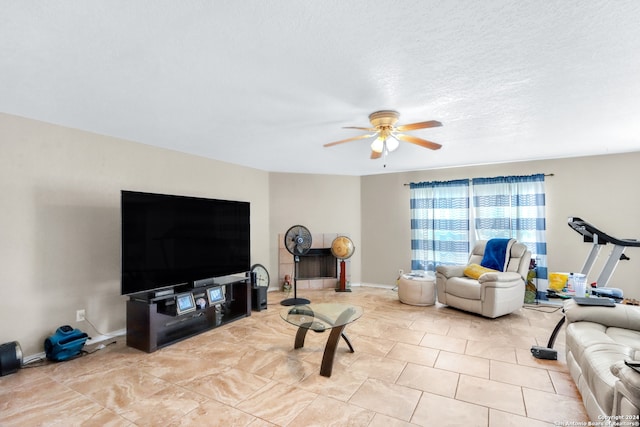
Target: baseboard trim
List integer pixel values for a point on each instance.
(109, 336)
(376, 285)
(91, 342)
(351, 285)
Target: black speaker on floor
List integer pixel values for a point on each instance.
(10, 358)
(218, 314)
(259, 285)
(259, 298)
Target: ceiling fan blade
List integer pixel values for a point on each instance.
(361, 128)
(375, 155)
(355, 138)
(419, 125)
(418, 141)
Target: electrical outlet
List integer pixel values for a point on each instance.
(400, 272)
(80, 315)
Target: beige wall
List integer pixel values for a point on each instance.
(60, 221)
(322, 203)
(599, 189)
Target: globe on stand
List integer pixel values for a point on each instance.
(342, 248)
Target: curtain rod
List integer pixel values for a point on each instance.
(546, 174)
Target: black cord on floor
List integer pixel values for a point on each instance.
(99, 347)
(540, 308)
(42, 361)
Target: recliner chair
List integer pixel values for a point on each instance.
(492, 294)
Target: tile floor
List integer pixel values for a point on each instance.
(412, 366)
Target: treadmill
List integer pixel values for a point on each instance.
(598, 239)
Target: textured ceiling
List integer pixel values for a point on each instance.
(266, 83)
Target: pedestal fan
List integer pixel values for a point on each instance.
(297, 240)
(342, 248)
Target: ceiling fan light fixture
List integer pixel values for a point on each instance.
(388, 136)
(392, 143)
(377, 145)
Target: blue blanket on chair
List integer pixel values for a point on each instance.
(495, 254)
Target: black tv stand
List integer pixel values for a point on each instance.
(152, 322)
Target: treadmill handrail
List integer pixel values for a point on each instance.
(588, 231)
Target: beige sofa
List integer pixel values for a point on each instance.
(598, 341)
(492, 294)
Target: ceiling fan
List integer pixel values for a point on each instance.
(387, 133)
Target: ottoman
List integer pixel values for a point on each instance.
(417, 290)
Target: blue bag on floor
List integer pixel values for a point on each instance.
(64, 344)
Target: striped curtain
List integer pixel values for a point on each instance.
(439, 224)
(513, 207)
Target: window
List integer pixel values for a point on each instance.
(439, 224)
(444, 216)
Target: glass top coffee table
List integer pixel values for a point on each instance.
(319, 318)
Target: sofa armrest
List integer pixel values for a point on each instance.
(500, 279)
(627, 389)
(449, 271)
(620, 316)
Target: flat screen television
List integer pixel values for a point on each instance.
(172, 240)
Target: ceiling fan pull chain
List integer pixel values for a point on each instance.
(385, 150)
